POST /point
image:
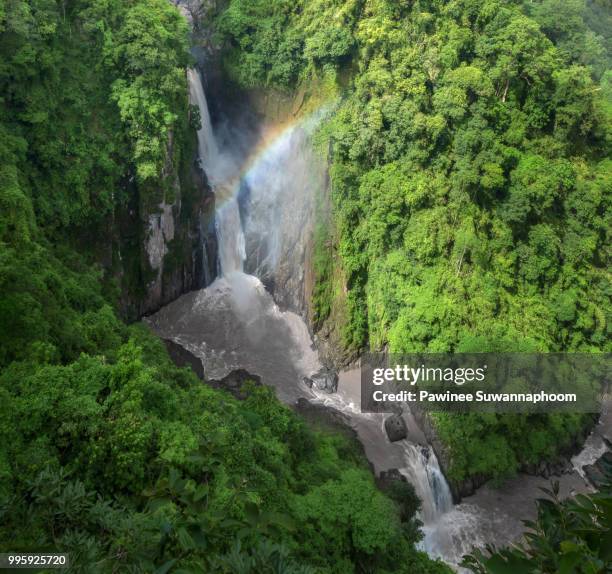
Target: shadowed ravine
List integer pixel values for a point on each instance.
(263, 221)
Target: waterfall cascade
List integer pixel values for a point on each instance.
(423, 471)
(222, 173)
(263, 205)
(276, 195)
(207, 145)
(234, 322)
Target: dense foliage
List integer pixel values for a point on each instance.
(133, 465)
(470, 180)
(90, 94)
(108, 451)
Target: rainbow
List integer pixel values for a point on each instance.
(272, 137)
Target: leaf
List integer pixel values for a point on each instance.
(166, 567)
(185, 539)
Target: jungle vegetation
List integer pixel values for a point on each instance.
(469, 155)
(107, 450)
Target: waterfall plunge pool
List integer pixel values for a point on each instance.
(264, 214)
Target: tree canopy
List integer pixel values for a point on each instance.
(108, 451)
(470, 175)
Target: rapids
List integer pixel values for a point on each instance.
(264, 217)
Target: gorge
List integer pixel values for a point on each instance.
(264, 191)
(265, 208)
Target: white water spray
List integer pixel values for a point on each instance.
(414, 460)
(235, 323)
(207, 145)
(222, 173)
(423, 471)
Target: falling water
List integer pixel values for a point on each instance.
(412, 457)
(277, 202)
(236, 323)
(423, 471)
(222, 174)
(207, 145)
(264, 208)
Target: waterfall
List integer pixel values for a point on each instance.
(235, 323)
(278, 207)
(423, 472)
(222, 174)
(207, 145)
(264, 197)
(416, 462)
(264, 209)
(230, 238)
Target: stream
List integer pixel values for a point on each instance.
(264, 210)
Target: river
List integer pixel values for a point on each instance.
(264, 207)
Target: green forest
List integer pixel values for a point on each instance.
(107, 450)
(469, 151)
(469, 144)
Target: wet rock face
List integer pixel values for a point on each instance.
(163, 243)
(180, 242)
(277, 206)
(324, 380)
(547, 469)
(324, 414)
(233, 382)
(324, 417)
(181, 357)
(390, 476)
(396, 429)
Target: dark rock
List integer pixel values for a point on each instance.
(598, 472)
(388, 477)
(560, 467)
(543, 469)
(327, 418)
(467, 487)
(322, 413)
(594, 474)
(161, 249)
(181, 357)
(396, 428)
(324, 380)
(234, 382)
(392, 474)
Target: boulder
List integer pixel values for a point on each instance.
(324, 380)
(181, 357)
(319, 413)
(594, 475)
(234, 381)
(392, 475)
(396, 428)
(387, 478)
(599, 472)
